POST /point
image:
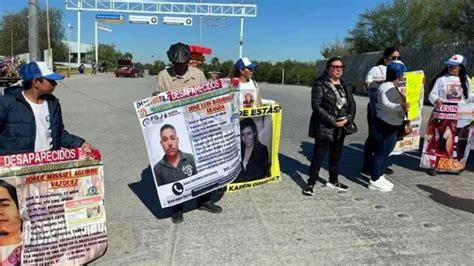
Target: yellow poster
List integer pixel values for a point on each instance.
(260, 141)
(412, 87)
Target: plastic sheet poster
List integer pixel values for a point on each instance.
(448, 139)
(412, 87)
(260, 141)
(52, 208)
(192, 139)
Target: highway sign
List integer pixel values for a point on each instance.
(114, 18)
(153, 20)
(182, 21)
(103, 28)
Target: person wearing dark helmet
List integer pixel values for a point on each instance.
(179, 74)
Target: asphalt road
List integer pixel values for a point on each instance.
(424, 220)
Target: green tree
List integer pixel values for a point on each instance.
(109, 55)
(412, 23)
(127, 55)
(335, 48)
(156, 67)
(16, 23)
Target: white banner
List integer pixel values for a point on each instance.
(193, 140)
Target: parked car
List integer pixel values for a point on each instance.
(126, 68)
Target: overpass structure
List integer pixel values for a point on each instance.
(241, 10)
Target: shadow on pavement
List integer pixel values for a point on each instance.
(293, 167)
(145, 189)
(444, 198)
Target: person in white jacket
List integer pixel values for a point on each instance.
(390, 113)
(451, 86)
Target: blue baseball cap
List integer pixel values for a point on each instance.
(244, 62)
(34, 70)
(396, 68)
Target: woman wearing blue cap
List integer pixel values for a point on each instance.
(249, 93)
(31, 116)
(451, 86)
(391, 109)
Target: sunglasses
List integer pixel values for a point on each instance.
(337, 67)
(453, 66)
(395, 58)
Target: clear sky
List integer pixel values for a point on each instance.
(283, 29)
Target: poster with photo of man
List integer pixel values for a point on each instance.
(192, 139)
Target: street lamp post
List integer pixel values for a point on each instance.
(50, 55)
(69, 27)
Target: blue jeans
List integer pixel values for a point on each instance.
(385, 138)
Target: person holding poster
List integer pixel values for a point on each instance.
(180, 75)
(255, 161)
(374, 79)
(333, 112)
(450, 87)
(249, 93)
(391, 108)
(31, 115)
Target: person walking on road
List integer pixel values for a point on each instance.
(94, 67)
(391, 111)
(451, 86)
(181, 75)
(375, 77)
(332, 119)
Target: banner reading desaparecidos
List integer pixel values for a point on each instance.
(449, 135)
(57, 207)
(412, 87)
(192, 139)
(259, 140)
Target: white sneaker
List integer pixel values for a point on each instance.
(388, 183)
(379, 185)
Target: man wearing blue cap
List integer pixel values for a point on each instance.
(30, 116)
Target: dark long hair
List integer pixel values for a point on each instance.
(386, 53)
(11, 191)
(248, 122)
(462, 78)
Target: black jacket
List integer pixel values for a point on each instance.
(323, 103)
(258, 165)
(18, 127)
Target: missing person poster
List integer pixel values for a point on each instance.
(192, 138)
(412, 87)
(52, 208)
(259, 141)
(449, 136)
